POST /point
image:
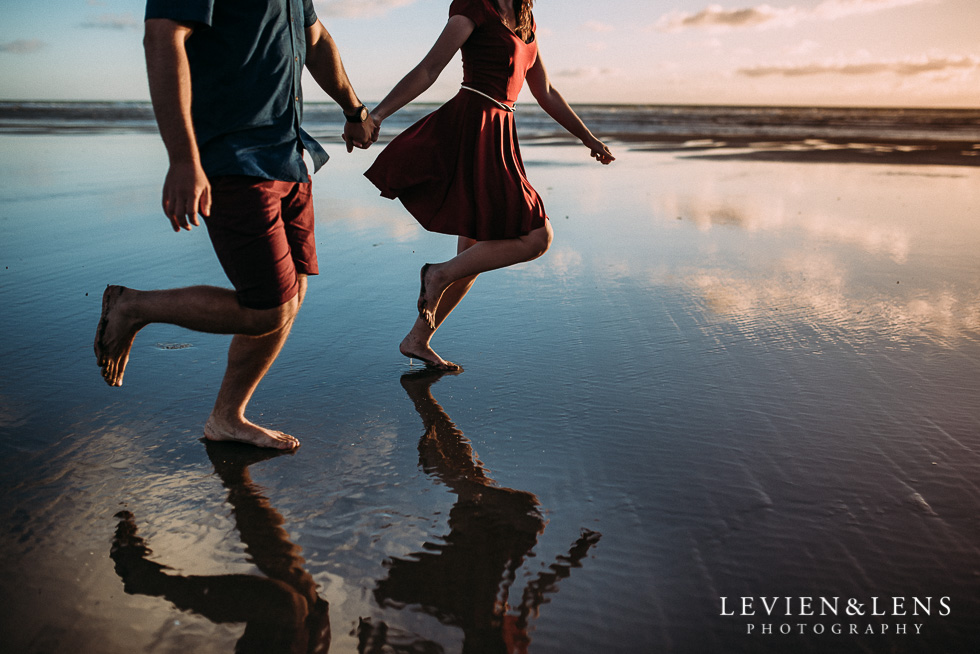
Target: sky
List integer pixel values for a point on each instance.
(911, 53)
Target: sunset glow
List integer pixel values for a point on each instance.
(784, 52)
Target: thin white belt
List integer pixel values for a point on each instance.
(500, 104)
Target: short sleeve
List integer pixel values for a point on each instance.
(475, 10)
(184, 11)
(309, 14)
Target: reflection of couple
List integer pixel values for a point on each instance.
(282, 611)
(464, 581)
(225, 83)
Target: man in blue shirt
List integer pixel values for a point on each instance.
(225, 81)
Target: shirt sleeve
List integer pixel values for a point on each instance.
(472, 9)
(309, 14)
(184, 11)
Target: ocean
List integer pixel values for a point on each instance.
(733, 409)
(623, 122)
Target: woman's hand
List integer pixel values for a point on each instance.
(599, 151)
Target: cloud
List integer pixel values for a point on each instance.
(907, 67)
(586, 72)
(359, 8)
(717, 18)
(115, 22)
(22, 46)
(804, 47)
(834, 9)
(596, 26)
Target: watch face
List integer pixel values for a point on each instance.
(358, 116)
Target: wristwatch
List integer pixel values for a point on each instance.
(359, 116)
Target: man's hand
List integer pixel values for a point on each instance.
(360, 135)
(186, 192)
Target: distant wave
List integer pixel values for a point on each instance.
(653, 126)
(45, 117)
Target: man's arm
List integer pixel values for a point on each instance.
(323, 62)
(186, 190)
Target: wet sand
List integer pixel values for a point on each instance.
(728, 378)
(825, 150)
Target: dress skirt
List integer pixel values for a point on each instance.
(459, 171)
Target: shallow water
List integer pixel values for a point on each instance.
(726, 379)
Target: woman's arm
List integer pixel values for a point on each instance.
(554, 104)
(453, 36)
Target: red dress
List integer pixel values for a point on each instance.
(459, 169)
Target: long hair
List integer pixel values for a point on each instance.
(525, 21)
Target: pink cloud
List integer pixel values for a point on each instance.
(907, 67)
(718, 18)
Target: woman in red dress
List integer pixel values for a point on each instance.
(459, 170)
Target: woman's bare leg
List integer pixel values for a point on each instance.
(417, 343)
(482, 256)
(446, 284)
(458, 289)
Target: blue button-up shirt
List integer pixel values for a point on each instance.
(246, 59)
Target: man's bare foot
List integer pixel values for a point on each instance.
(115, 335)
(243, 431)
(413, 349)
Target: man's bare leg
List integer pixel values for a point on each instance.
(259, 333)
(209, 309)
(249, 358)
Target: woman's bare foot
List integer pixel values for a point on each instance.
(115, 335)
(415, 349)
(243, 431)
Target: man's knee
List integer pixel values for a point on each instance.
(301, 293)
(286, 312)
(266, 321)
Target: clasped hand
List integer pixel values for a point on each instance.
(361, 135)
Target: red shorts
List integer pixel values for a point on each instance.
(262, 232)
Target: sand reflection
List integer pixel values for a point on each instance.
(866, 252)
(815, 291)
(464, 580)
(756, 214)
(282, 611)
